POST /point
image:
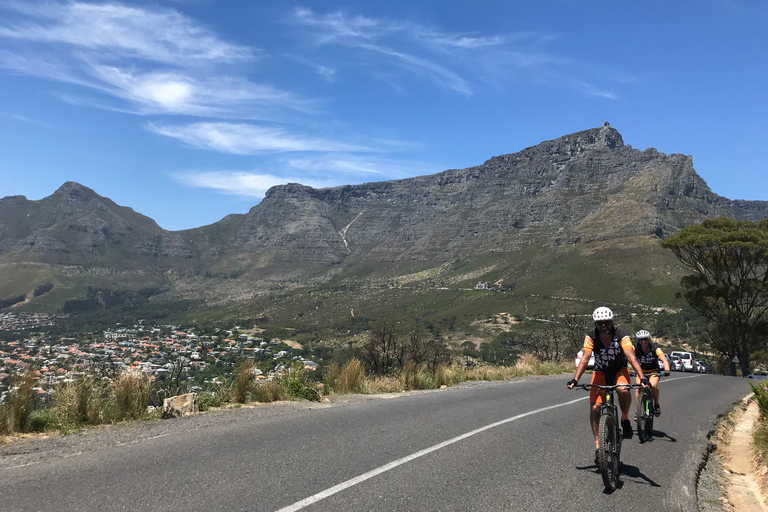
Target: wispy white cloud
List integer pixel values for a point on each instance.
(324, 170)
(239, 183)
(23, 119)
(356, 168)
(458, 62)
(120, 30)
(247, 139)
(156, 61)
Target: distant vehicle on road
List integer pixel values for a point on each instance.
(758, 376)
(590, 364)
(675, 364)
(687, 359)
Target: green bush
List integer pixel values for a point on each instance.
(295, 383)
(41, 420)
(761, 396)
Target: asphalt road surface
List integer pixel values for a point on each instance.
(523, 444)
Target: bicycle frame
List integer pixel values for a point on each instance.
(610, 441)
(645, 413)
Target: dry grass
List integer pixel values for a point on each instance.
(21, 401)
(270, 391)
(352, 379)
(242, 383)
(80, 402)
(5, 420)
(130, 395)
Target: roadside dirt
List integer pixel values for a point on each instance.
(741, 477)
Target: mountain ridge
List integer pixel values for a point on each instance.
(582, 188)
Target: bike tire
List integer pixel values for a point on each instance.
(608, 452)
(642, 416)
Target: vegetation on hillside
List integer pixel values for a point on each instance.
(728, 283)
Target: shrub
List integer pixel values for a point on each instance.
(414, 376)
(21, 401)
(241, 384)
(130, 394)
(294, 381)
(270, 391)
(350, 378)
(760, 391)
(5, 420)
(80, 402)
(41, 420)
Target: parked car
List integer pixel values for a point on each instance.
(758, 376)
(675, 364)
(687, 359)
(590, 364)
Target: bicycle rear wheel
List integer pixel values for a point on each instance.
(645, 416)
(608, 452)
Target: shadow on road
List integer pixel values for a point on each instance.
(626, 470)
(662, 436)
(634, 472)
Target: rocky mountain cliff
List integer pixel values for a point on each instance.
(581, 188)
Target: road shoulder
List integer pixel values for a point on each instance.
(732, 479)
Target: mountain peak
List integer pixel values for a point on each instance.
(75, 192)
(604, 137)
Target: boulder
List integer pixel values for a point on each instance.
(180, 406)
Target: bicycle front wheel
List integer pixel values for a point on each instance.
(608, 452)
(644, 416)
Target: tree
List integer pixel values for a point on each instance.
(388, 347)
(728, 284)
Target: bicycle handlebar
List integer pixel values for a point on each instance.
(608, 388)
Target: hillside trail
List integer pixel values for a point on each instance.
(743, 474)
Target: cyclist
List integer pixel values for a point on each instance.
(613, 348)
(648, 356)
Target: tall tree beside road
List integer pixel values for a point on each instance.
(728, 284)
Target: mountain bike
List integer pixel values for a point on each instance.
(645, 414)
(609, 434)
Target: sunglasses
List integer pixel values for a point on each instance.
(603, 323)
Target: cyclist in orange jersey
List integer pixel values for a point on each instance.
(649, 355)
(613, 349)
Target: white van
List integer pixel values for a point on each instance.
(687, 359)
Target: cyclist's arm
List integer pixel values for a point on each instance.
(663, 359)
(629, 351)
(585, 355)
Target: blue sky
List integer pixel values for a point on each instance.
(187, 111)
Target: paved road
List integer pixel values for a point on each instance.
(523, 444)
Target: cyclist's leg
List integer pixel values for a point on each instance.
(625, 399)
(654, 379)
(596, 399)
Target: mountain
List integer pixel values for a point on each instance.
(503, 219)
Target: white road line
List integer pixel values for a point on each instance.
(399, 462)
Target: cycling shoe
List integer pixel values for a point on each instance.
(626, 429)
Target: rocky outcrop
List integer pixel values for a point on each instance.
(180, 406)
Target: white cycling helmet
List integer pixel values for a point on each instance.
(643, 334)
(602, 313)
